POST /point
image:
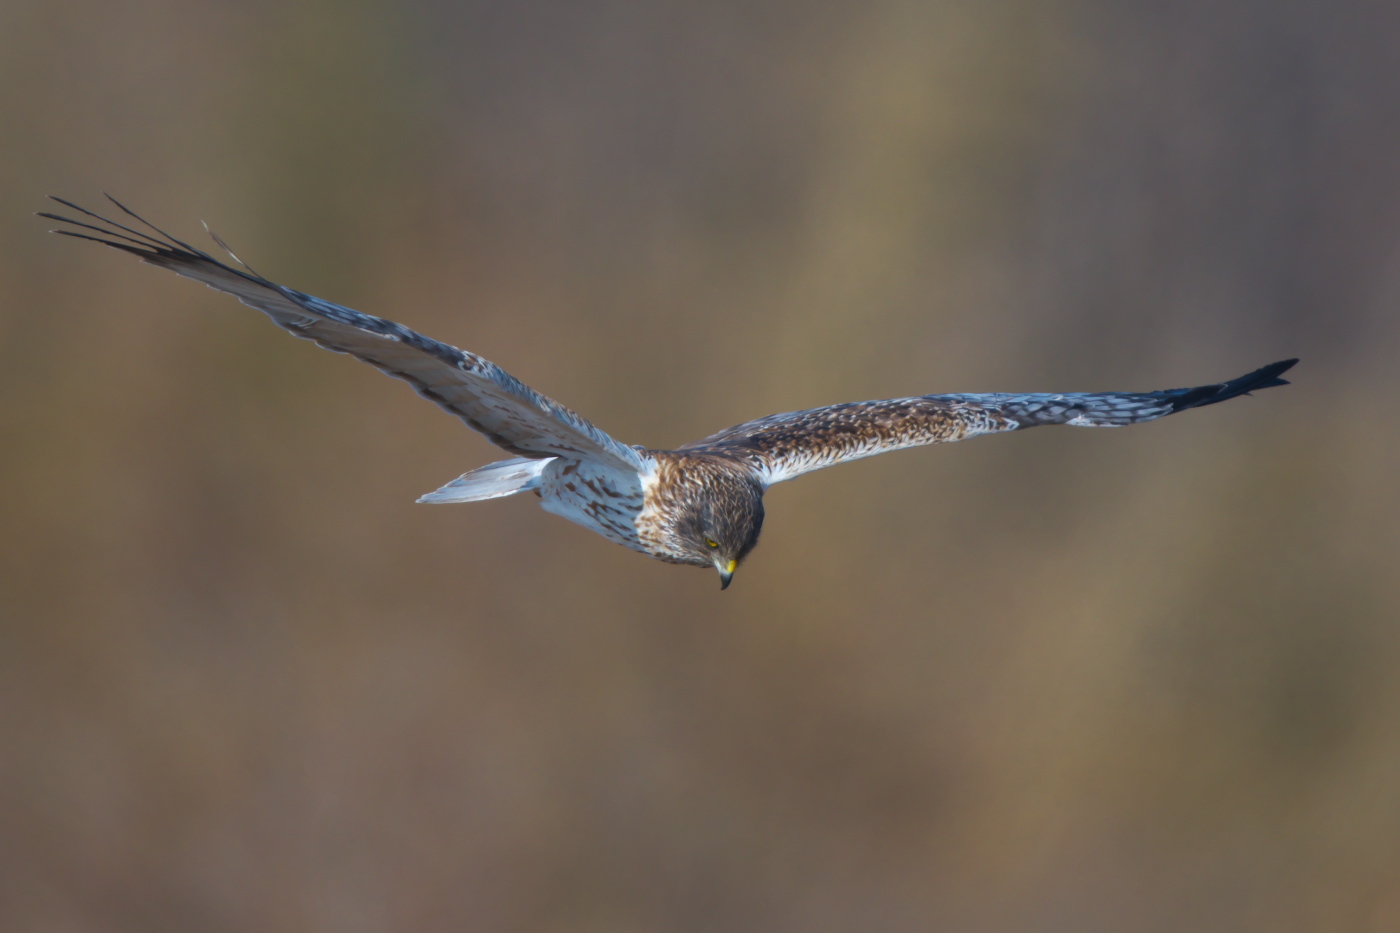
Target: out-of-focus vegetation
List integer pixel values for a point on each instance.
(1072, 680)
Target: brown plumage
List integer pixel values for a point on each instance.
(702, 508)
(699, 505)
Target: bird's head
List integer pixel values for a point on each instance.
(721, 527)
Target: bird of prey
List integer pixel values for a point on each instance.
(701, 504)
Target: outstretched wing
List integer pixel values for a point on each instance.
(790, 444)
(490, 400)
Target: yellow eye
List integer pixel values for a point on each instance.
(711, 543)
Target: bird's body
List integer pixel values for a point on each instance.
(701, 504)
(608, 501)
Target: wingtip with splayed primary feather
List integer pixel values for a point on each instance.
(1265, 377)
(136, 242)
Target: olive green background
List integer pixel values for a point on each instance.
(1065, 681)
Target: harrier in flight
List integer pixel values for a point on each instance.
(701, 504)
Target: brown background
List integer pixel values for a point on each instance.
(1068, 681)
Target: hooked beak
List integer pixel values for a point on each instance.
(726, 573)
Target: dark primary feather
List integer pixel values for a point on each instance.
(487, 398)
(792, 443)
(1265, 377)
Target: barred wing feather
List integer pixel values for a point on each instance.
(487, 398)
(786, 445)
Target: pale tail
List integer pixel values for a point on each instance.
(502, 478)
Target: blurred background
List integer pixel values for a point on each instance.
(1067, 681)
